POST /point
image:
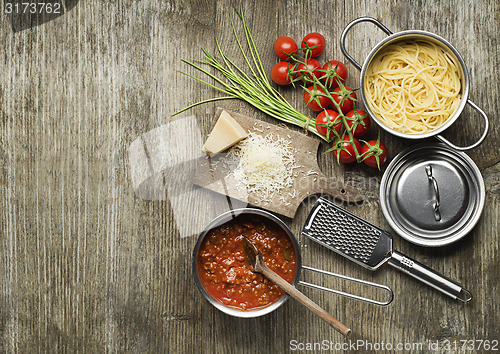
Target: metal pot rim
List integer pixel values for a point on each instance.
(394, 37)
(222, 219)
(424, 35)
(431, 238)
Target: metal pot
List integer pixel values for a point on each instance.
(228, 216)
(413, 35)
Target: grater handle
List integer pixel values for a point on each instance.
(429, 276)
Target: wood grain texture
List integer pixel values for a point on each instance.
(85, 266)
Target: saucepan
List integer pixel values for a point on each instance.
(258, 213)
(411, 35)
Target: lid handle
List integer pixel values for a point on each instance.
(433, 181)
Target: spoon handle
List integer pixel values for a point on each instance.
(296, 294)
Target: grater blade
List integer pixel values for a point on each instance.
(348, 235)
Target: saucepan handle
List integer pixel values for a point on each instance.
(349, 26)
(429, 276)
(390, 294)
(483, 136)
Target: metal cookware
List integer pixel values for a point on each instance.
(228, 216)
(413, 35)
(432, 195)
(260, 266)
(369, 246)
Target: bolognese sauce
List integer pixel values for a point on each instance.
(226, 273)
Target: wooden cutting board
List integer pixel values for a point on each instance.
(216, 173)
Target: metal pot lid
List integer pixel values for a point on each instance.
(432, 195)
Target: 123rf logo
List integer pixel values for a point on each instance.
(24, 14)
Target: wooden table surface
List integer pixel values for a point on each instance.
(88, 266)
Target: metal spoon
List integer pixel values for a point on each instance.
(259, 265)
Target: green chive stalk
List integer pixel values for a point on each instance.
(253, 88)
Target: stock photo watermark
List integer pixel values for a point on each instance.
(24, 14)
(364, 345)
(167, 163)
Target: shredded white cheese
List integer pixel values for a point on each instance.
(261, 129)
(266, 164)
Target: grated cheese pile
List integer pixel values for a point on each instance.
(266, 164)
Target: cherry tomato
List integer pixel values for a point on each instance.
(374, 153)
(313, 65)
(281, 73)
(332, 122)
(343, 149)
(314, 94)
(314, 39)
(334, 71)
(284, 46)
(360, 119)
(345, 97)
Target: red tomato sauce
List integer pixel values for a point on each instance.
(225, 271)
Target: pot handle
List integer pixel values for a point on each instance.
(483, 136)
(349, 26)
(390, 296)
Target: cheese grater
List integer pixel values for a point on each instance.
(369, 245)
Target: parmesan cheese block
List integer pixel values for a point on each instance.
(226, 133)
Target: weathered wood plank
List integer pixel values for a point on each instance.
(86, 266)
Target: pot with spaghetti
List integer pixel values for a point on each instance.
(414, 84)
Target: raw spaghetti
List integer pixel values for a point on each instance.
(413, 87)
